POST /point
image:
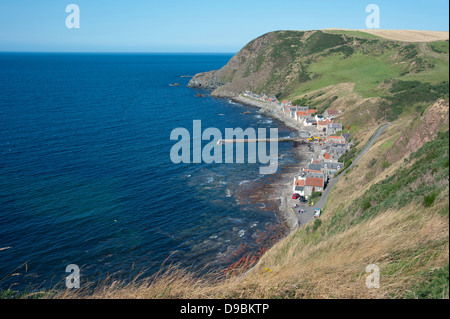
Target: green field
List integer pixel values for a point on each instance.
(367, 72)
(359, 34)
(439, 46)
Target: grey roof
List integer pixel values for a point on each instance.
(315, 175)
(335, 126)
(315, 167)
(299, 188)
(338, 150)
(332, 165)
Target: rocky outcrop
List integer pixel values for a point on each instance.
(421, 131)
(432, 120)
(250, 68)
(206, 80)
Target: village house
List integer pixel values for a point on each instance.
(322, 125)
(326, 156)
(319, 117)
(316, 175)
(301, 115)
(312, 185)
(335, 140)
(292, 112)
(315, 167)
(286, 103)
(299, 186)
(331, 168)
(333, 128)
(306, 171)
(338, 151)
(331, 114)
(309, 121)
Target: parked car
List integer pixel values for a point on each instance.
(296, 196)
(317, 213)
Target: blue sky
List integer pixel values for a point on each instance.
(193, 25)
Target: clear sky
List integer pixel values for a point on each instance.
(194, 25)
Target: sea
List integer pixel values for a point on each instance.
(86, 176)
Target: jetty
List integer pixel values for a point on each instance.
(263, 140)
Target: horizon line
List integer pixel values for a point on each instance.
(119, 52)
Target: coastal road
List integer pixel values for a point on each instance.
(307, 216)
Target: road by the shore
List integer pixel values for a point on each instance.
(307, 215)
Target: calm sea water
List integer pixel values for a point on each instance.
(86, 176)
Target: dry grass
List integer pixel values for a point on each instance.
(335, 266)
(406, 35)
(402, 243)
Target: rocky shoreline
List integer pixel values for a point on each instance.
(269, 110)
(281, 188)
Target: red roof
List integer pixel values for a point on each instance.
(314, 181)
(327, 156)
(333, 112)
(326, 122)
(300, 182)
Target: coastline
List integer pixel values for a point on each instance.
(285, 191)
(282, 189)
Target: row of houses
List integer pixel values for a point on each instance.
(266, 98)
(309, 117)
(315, 177)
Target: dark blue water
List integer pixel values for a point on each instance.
(86, 176)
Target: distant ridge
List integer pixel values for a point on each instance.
(405, 35)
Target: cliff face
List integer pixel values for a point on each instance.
(236, 76)
(207, 80)
(291, 63)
